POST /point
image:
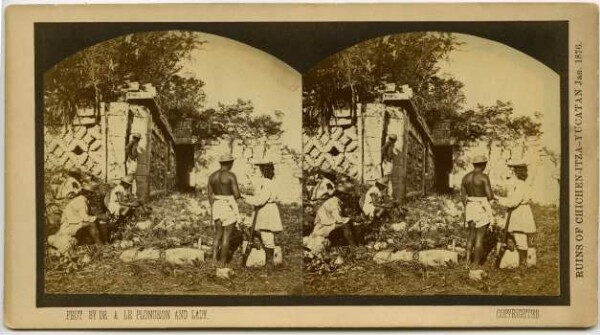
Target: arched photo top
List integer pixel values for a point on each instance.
(447, 73)
(191, 72)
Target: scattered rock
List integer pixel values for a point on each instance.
(382, 257)
(477, 275)
(339, 261)
(436, 258)
(184, 256)
(400, 226)
(136, 254)
(510, 260)
(402, 256)
(257, 257)
(144, 225)
(149, 253)
(225, 273)
(128, 255)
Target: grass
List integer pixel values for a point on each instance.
(106, 274)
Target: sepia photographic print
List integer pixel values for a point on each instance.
(427, 176)
(161, 164)
(301, 166)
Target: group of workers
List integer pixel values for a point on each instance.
(77, 194)
(330, 197)
(335, 204)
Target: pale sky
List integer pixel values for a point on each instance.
(233, 70)
(493, 71)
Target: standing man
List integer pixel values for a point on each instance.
(223, 193)
(387, 158)
(476, 194)
(131, 154)
(131, 157)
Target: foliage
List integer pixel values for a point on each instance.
(495, 123)
(353, 75)
(497, 126)
(98, 73)
(236, 122)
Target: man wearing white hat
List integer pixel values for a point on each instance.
(476, 193)
(266, 213)
(370, 203)
(521, 223)
(120, 198)
(330, 217)
(223, 193)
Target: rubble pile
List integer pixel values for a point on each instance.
(430, 233)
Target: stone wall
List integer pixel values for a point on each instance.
(76, 146)
(338, 149)
(543, 173)
(287, 172)
(355, 150)
(96, 144)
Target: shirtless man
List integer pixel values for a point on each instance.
(223, 193)
(476, 193)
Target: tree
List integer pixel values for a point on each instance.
(98, 74)
(496, 125)
(352, 76)
(237, 122)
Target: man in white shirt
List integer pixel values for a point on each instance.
(372, 203)
(75, 216)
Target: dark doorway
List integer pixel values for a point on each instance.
(443, 167)
(184, 163)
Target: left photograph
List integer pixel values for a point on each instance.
(172, 165)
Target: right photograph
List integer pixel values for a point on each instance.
(431, 166)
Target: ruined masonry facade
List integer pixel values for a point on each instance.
(96, 142)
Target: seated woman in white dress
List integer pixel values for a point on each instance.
(521, 223)
(268, 220)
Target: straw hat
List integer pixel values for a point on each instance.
(382, 181)
(226, 158)
(479, 159)
(393, 137)
(516, 163)
(127, 179)
(263, 161)
(136, 135)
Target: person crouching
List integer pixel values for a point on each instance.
(329, 218)
(75, 216)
